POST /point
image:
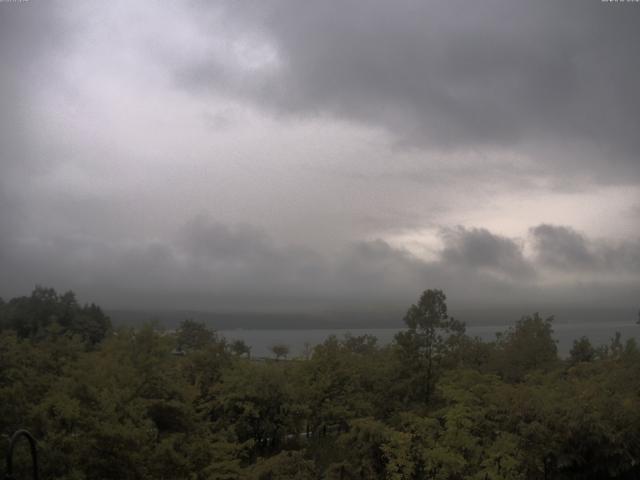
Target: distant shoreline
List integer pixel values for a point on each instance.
(383, 319)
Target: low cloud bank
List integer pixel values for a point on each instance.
(213, 266)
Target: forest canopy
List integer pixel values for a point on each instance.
(145, 403)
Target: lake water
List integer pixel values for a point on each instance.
(260, 341)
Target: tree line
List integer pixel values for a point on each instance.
(434, 404)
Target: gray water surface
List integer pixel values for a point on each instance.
(260, 341)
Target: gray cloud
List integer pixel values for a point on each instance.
(477, 248)
(214, 266)
(28, 33)
(273, 118)
(556, 79)
(564, 249)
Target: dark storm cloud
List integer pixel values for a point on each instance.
(565, 249)
(478, 248)
(559, 78)
(102, 160)
(562, 247)
(218, 266)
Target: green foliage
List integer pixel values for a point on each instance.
(192, 335)
(286, 465)
(582, 351)
(239, 347)
(527, 346)
(432, 335)
(280, 350)
(45, 312)
(258, 404)
(128, 406)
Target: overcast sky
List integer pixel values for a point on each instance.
(287, 155)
